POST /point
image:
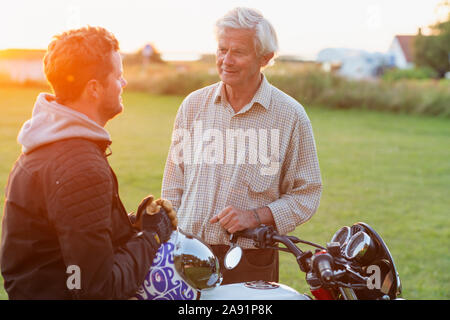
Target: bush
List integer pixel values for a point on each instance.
(414, 73)
(308, 85)
(407, 96)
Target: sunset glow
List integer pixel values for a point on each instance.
(304, 27)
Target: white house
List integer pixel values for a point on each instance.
(354, 64)
(23, 70)
(22, 65)
(401, 52)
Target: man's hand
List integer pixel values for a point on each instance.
(233, 219)
(156, 216)
(170, 211)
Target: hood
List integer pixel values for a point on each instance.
(51, 122)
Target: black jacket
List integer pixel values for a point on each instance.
(63, 209)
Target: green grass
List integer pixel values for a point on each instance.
(389, 170)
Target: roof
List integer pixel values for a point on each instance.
(407, 45)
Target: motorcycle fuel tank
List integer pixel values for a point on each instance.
(164, 281)
(255, 290)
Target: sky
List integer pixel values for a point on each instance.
(186, 26)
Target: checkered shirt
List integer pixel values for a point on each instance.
(263, 155)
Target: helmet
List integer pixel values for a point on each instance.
(182, 267)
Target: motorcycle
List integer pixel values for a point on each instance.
(355, 265)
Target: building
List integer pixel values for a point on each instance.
(22, 65)
(352, 63)
(401, 52)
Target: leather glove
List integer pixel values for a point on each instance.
(170, 211)
(156, 216)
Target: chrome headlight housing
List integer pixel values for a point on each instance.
(195, 262)
(361, 248)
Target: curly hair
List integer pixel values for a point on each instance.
(77, 56)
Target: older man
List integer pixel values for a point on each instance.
(220, 175)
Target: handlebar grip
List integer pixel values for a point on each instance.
(247, 233)
(258, 233)
(262, 236)
(323, 264)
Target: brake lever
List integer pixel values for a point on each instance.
(355, 275)
(294, 239)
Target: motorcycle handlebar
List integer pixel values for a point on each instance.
(247, 233)
(260, 234)
(266, 236)
(323, 263)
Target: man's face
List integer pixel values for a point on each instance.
(111, 100)
(237, 62)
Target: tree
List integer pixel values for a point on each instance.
(434, 50)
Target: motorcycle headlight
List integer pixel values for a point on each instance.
(395, 289)
(195, 262)
(342, 236)
(361, 248)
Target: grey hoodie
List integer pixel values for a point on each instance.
(51, 122)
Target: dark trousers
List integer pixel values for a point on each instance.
(256, 264)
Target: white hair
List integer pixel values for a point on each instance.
(246, 18)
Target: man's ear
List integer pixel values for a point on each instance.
(266, 58)
(93, 89)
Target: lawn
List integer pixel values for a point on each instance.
(389, 170)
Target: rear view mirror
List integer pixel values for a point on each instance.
(233, 257)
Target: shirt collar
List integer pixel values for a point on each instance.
(262, 96)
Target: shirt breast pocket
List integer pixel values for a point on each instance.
(261, 179)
